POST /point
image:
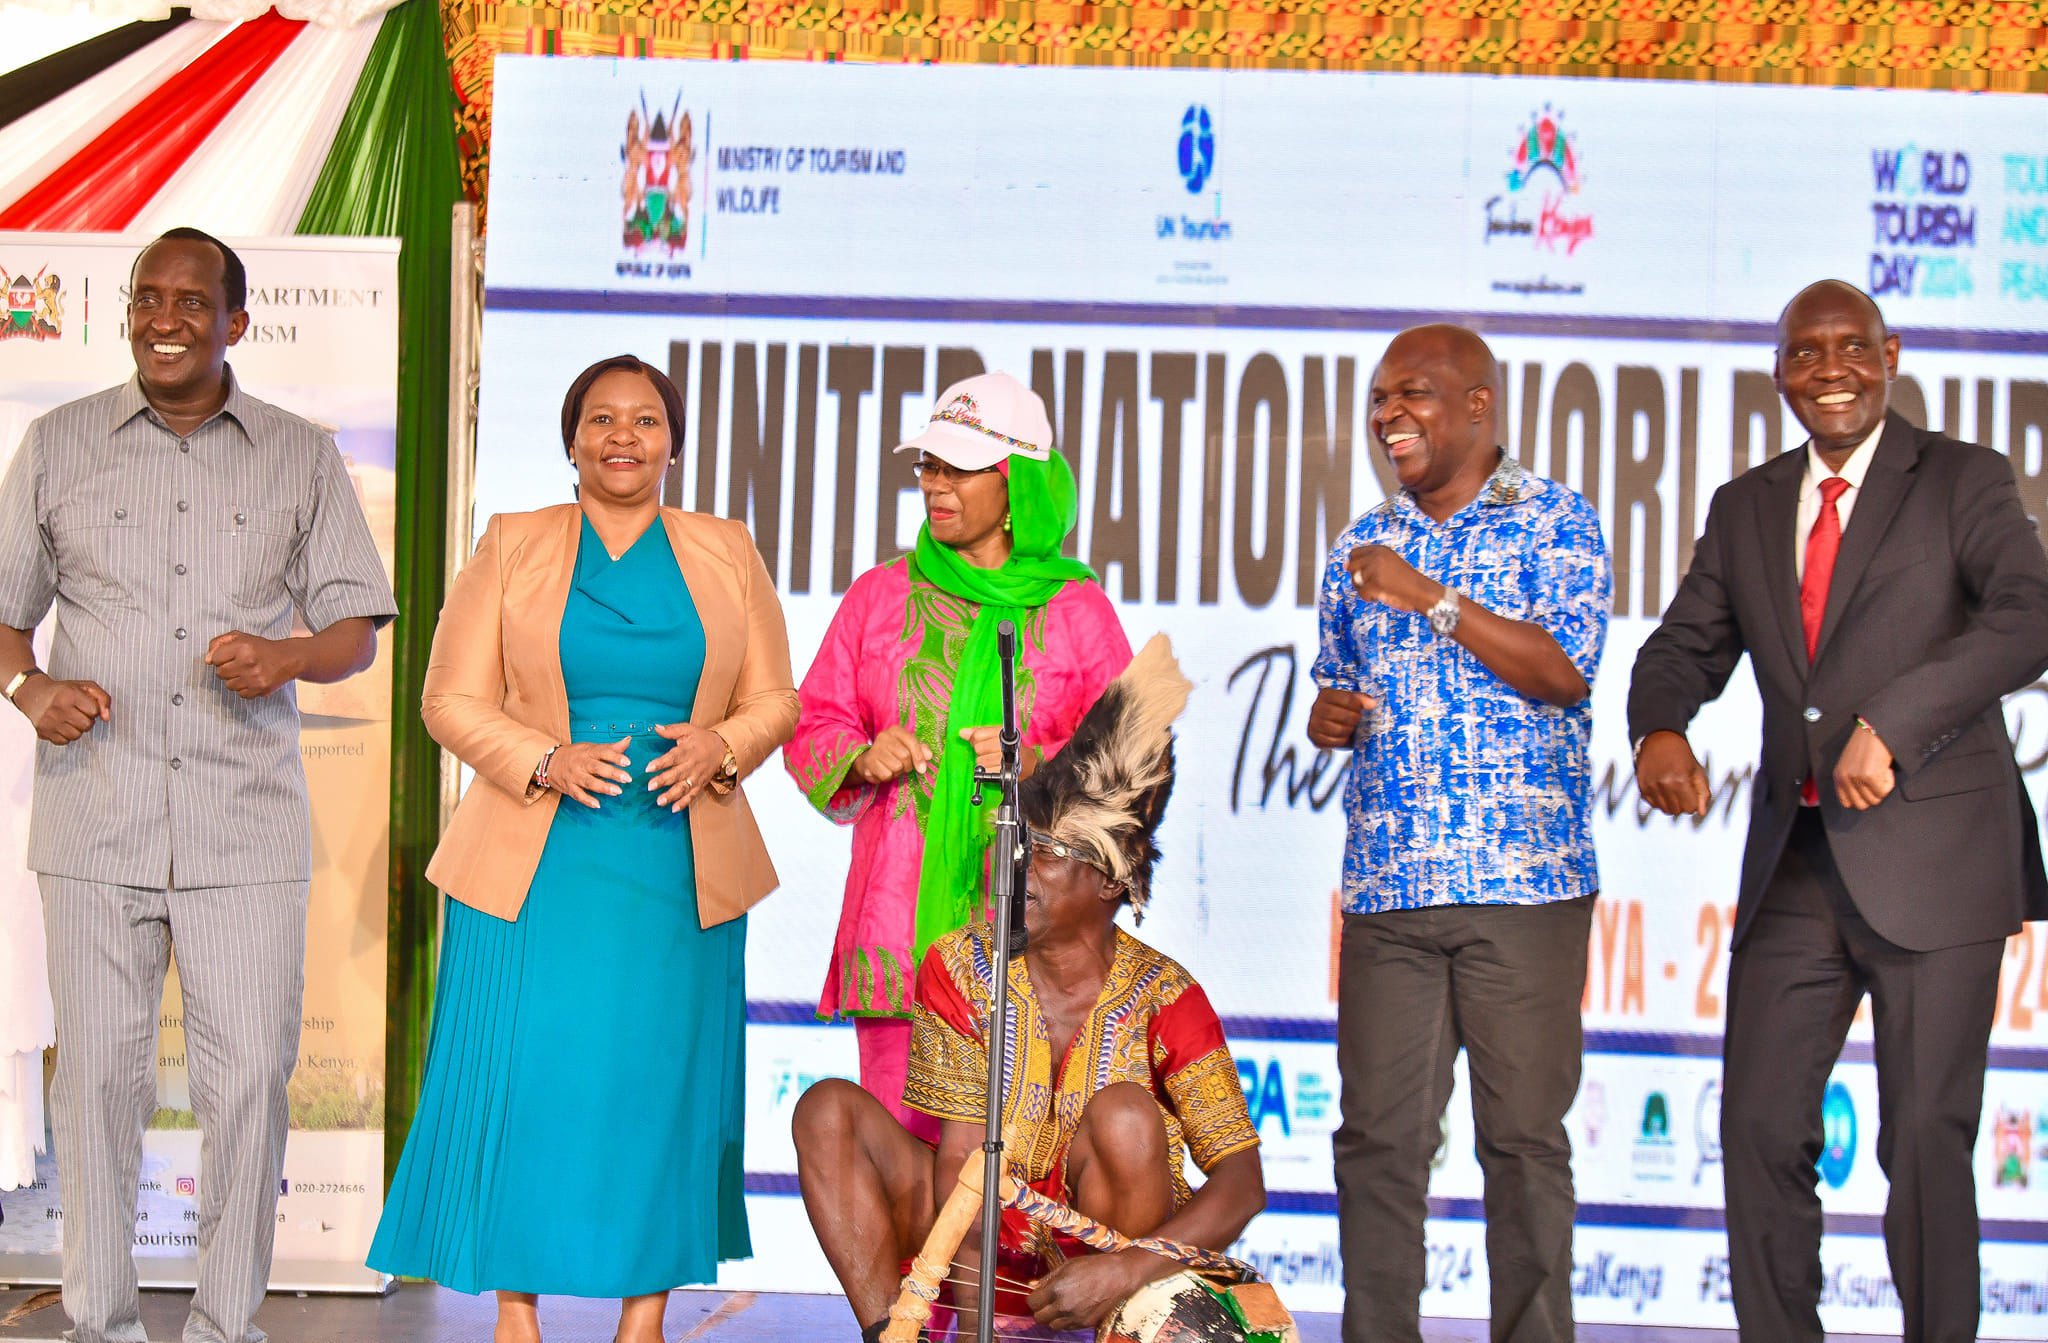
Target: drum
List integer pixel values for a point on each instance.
(1197, 1307)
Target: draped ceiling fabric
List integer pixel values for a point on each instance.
(223, 126)
(102, 187)
(326, 13)
(37, 143)
(22, 90)
(286, 123)
(1994, 45)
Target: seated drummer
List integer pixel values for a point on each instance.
(1121, 1065)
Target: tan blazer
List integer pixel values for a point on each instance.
(495, 698)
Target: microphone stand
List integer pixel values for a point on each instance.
(1006, 889)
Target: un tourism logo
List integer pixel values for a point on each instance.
(1197, 147)
(1838, 1136)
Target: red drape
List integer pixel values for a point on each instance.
(105, 185)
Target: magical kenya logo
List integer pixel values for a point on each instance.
(1545, 174)
(35, 306)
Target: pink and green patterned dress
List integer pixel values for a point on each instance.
(888, 658)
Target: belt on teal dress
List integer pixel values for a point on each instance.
(612, 731)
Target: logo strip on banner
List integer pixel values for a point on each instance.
(1250, 316)
(2019, 1058)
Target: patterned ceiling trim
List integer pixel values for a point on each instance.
(1917, 44)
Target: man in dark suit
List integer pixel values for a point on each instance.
(1889, 590)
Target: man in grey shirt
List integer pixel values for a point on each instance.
(175, 521)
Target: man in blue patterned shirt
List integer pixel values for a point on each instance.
(1461, 624)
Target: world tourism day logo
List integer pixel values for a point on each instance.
(1544, 175)
(35, 306)
(658, 152)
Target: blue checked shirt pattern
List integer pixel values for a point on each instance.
(1463, 791)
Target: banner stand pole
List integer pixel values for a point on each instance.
(465, 359)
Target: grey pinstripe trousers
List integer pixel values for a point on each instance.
(241, 961)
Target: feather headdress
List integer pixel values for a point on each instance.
(1105, 793)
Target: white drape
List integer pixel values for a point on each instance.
(254, 174)
(326, 13)
(38, 144)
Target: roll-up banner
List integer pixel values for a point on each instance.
(323, 343)
(1198, 272)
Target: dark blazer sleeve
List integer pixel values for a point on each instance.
(2004, 642)
(1689, 657)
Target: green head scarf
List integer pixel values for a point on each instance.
(1043, 509)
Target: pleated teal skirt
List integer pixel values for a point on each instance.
(580, 1126)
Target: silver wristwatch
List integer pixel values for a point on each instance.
(1443, 617)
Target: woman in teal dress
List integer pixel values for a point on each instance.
(612, 670)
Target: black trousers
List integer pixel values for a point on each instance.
(1503, 981)
(1793, 986)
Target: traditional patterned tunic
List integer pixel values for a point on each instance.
(888, 658)
(1151, 1025)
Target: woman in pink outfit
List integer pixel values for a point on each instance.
(905, 695)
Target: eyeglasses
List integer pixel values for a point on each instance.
(927, 467)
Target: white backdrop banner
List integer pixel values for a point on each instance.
(1198, 271)
(322, 342)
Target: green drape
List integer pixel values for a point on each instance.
(393, 171)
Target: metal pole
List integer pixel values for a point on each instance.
(1003, 887)
(465, 348)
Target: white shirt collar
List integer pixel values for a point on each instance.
(1852, 470)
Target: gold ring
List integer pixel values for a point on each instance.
(686, 785)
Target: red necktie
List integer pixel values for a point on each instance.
(1822, 545)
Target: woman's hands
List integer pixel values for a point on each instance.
(686, 769)
(988, 750)
(588, 770)
(896, 751)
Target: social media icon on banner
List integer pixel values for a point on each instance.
(2012, 1154)
(1654, 1156)
(1838, 1129)
(187, 1187)
(1706, 1127)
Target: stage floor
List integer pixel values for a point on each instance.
(418, 1313)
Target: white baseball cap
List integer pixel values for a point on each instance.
(981, 420)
